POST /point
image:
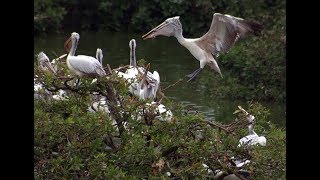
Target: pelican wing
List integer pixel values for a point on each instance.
(87, 65)
(224, 31)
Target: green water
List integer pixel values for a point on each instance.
(166, 56)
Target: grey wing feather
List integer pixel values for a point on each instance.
(87, 67)
(224, 31)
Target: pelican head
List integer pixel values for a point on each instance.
(132, 46)
(251, 120)
(73, 38)
(99, 55)
(45, 63)
(170, 27)
(144, 82)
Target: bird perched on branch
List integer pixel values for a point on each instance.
(46, 66)
(82, 65)
(143, 83)
(253, 138)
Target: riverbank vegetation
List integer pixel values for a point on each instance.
(255, 69)
(73, 143)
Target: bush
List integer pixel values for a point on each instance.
(70, 142)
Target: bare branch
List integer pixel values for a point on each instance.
(171, 85)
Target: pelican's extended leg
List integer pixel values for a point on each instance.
(77, 82)
(194, 74)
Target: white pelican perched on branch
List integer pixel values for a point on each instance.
(252, 138)
(45, 64)
(148, 85)
(224, 31)
(82, 65)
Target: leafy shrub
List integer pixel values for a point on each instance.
(71, 143)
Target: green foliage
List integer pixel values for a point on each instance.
(71, 143)
(255, 69)
(48, 15)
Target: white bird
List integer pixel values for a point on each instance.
(145, 87)
(99, 57)
(100, 105)
(252, 138)
(61, 96)
(148, 86)
(162, 113)
(132, 46)
(45, 64)
(82, 65)
(224, 31)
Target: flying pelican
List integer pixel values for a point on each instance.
(82, 65)
(224, 31)
(252, 138)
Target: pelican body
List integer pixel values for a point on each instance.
(224, 31)
(82, 65)
(146, 86)
(252, 138)
(46, 66)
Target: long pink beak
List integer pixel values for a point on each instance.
(151, 34)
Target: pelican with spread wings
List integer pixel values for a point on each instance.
(224, 31)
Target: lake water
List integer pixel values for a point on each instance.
(166, 56)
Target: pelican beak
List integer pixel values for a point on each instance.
(67, 45)
(49, 66)
(156, 31)
(144, 76)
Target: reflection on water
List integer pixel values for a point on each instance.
(166, 56)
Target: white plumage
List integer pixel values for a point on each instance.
(224, 31)
(83, 65)
(46, 65)
(252, 138)
(143, 83)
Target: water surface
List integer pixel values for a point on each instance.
(166, 56)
